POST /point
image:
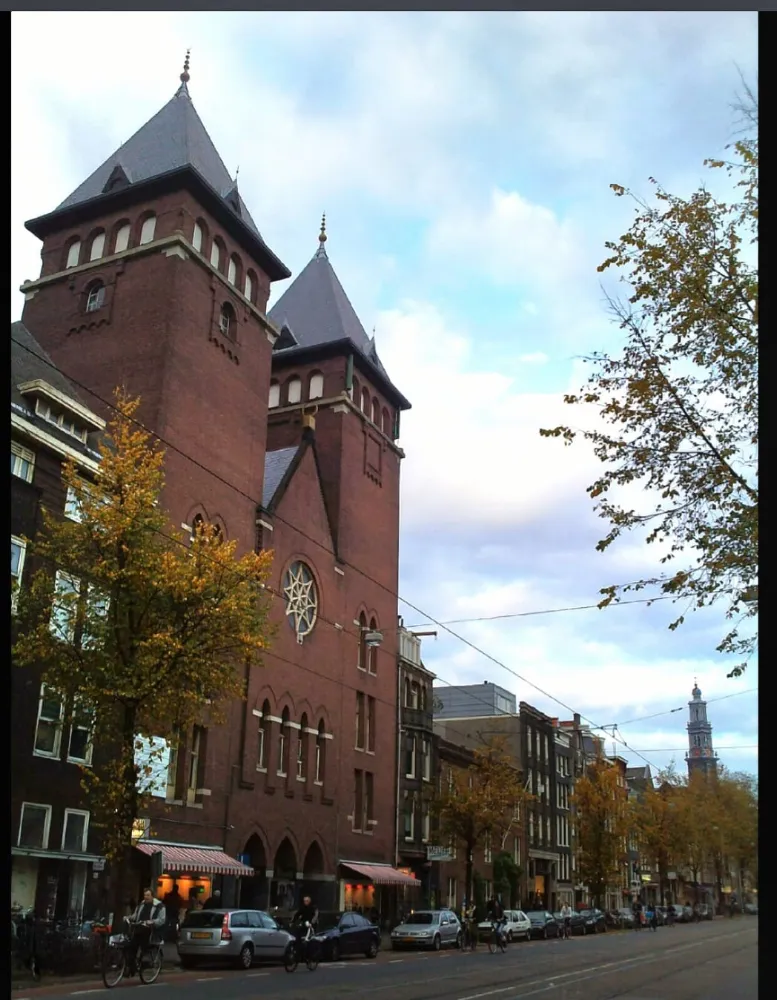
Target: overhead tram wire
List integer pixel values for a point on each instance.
(315, 541)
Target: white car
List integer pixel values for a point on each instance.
(517, 925)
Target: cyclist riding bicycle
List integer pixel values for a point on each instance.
(496, 915)
(149, 916)
(566, 913)
(305, 919)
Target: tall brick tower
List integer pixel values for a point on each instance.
(701, 755)
(283, 430)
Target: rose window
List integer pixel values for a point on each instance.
(299, 590)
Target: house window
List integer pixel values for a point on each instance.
(517, 850)
(195, 763)
(18, 553)
(73, 254)
(363, 653)
(365, 402)
(358, 800)
(98, 247)
(22, 462)
(294, 390)
(410, 758)
(34, 826)
(147, 230)
(376, 412)
(409, 817)
(320, 753)
(96, 298)
(172, 766)
(452, 902)
(427, 756)
(79, 749)
(316, 386)
(531, 827)
(302, 749)
(360, 720)
(122, 238)
(248, 289)
(487, 848)
(65, 423)
(64, 608)
(275, 395)
(215, 254)
(264, 738)
(232, 271)
(75, 831)
(372, 651)
(197, 237)
(283, 744)
(370, 724)
(72, 505)
(301, 596)
(48, 731)
(426, 825)
(385, 423)
(549, 838)
(228, 321)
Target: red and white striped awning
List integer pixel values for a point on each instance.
(381, 874)
(198, 860)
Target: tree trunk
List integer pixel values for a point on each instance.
(470, 889)
(121, 883)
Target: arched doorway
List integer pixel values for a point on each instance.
(254, 891)
(284, 890)
(314, 881)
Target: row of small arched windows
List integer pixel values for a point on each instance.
(246, 282)
(122, 236)
(370, 407)
(285, 765)
(291, 390)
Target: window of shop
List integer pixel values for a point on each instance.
(34, 825)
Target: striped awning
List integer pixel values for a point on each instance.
(381, 874)
(199, 860)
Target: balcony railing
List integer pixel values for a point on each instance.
(417, 718)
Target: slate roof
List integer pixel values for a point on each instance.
(317, 310)
(276, 465)
(175, 137)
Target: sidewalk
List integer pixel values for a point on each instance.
(21, 980)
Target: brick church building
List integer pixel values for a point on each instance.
(282, 428)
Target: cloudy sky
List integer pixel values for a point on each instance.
(464, 163)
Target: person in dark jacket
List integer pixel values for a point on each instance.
(213, 902)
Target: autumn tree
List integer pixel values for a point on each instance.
(603, 821)
(677, 407)
(658, 832)
(480, 802)
(141, 630)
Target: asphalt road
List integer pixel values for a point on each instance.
(709, 961)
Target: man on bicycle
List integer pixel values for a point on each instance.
(566, 913)
(496, 914)
(149, 916)
(306, 915)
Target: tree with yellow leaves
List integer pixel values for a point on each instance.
(603, 821)
(481, 802)
(141, 630)
(678, 406)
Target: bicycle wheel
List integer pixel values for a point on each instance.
(502, 941)
(150, 964)
(114, 965)
(291, 958)
(312, 956)
(492, 942)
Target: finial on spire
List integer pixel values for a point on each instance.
(322, 234)
(185, 75)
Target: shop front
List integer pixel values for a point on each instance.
(53, 883)
(379, 891)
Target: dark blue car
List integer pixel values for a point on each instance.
(341, 934)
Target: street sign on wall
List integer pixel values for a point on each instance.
(439, 853)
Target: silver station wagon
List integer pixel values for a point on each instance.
(427, 929)
(239, 936)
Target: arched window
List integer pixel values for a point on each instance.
(122, 237)
(263, 748)
(372, 654)
(275, 395)
(215, 253)
(97, 248)
(302, 749)
(320, 753)
(95, 298)
(366, 401)
(375, 411)
(408, 693)
(147, 230)
(362, 661)
(294, 390)
(228, 321)
(316, 388)
(283, 744)
(73, 254)
(250, 285)
(385, 422)
(233, 269)
(355, 391)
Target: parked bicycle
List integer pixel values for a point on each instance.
(304, 949)
(24, 943)
(124, 957)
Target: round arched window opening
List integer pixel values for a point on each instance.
(95, 298)
(301, 595)
(228, 321)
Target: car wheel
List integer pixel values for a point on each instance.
(372, 951)
(246, 956)
(458, 941)
(437, 943)
(509, 937)
(544, 933)
(334, 951)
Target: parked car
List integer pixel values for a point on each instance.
(240, 936)
(751, 909)
(679, 913)
(688, 912)
(517, 926)
(613, 919)
(627, 917)
(346, 934)
(591, 922)
(428, 929)
(706, 912)
(543, 924)
(574, 921)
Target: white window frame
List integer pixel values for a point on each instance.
(15, 540)
(56, 752)
(84, 838)
(21, 454)
(426, 751)
(122, 238)
(97, 249)
(68, 632)
(148, 230)
(215, 255)
(73, 254)
(197, 235)
(195, 759)
(46, 826)
(487, 848)
(274, 397)
(316, 390)
(301, 775)
(413, 773)
(426, 824)
(317, 780)
(72, 506)
(409, 811)
(232, 271)
(96, 298)
(261, 753)
(45, 411)
(248, 288)
(283, 737)
(296, 383)
(87, 760)
(451, 892)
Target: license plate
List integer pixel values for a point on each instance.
(201, 936)
(408, 940)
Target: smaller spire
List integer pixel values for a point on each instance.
(185, 75)
(321, 252)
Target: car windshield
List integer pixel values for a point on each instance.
(203, 918)
(420, 918)
(326, 921)
(586, 913)
(536, 914)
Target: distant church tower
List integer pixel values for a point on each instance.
(701, 755)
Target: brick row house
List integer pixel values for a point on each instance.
(55, 855)
(280, 427)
